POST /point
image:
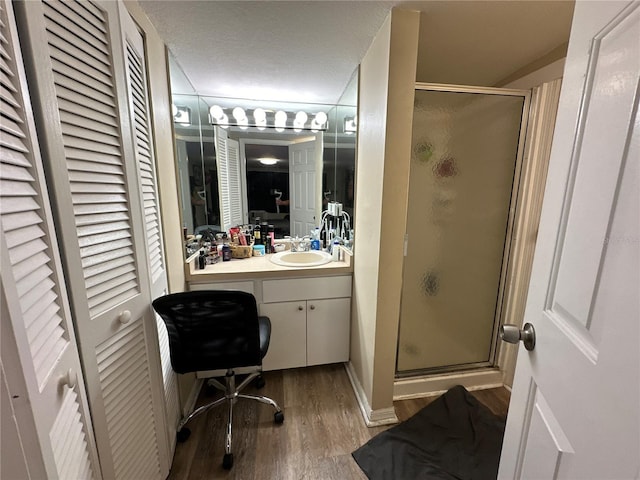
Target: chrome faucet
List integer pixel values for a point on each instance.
(300, 244)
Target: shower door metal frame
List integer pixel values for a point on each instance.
(513, 203)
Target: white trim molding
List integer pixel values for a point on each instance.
(372, 418)
(431, 385)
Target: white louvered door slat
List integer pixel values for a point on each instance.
(33, 290)
(222, 168)
(235, 182)
(79, 66)
(134, 52)
(229, 179)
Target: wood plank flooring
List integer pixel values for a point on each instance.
(322, 426)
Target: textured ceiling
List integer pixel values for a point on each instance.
(268, 50)
(307, 51)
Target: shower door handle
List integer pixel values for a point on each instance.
(512, 334)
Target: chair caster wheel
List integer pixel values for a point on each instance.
(182, 435)
(259, 381)
(278, 417)
(227, 461)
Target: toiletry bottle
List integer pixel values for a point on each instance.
(264, 233)
(257, 232)
(271, 233)
(226, 253)
(335, 251)
(202, 260)
(315, 240)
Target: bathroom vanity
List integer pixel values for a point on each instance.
(309, 307)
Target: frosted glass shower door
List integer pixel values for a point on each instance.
(463, 165)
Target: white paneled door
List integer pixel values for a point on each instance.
(303, 190)
(77, 63)
(575, 407)
(44, 397)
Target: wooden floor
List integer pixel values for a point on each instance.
(322, 426)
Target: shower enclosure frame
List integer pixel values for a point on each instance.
(507, 251)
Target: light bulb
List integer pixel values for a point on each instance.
(174, 109)
(321, 118)
(301, 118)
(224, 121)
(281, 118)
(216, 112)
(260, 116)
(239, 115)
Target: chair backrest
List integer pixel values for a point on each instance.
(211, 329)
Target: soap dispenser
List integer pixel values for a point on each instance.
(315, 239)
(335, 250)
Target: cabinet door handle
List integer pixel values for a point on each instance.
(300, 307)
(312, 307)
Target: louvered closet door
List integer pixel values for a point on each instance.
(141, 131)
(77, 62)
(229, 181)
(41, 361)
(235, 182)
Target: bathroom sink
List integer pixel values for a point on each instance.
(311, 258)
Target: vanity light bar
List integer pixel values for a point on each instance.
(267, 119)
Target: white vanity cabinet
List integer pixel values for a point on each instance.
(309, 320)
(310, 317)
(288, 344)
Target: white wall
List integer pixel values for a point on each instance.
(387, 81)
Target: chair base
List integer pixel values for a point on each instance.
(231, 396)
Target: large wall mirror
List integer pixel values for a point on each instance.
(257, 163)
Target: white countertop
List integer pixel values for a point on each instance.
(262, 267)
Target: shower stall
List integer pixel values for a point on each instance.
(467, 148)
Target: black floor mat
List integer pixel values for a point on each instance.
(454, 437)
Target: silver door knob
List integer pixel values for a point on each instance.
(512, 334)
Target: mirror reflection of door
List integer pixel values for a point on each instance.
(305, 166)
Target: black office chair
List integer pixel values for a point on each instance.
(212, 333)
